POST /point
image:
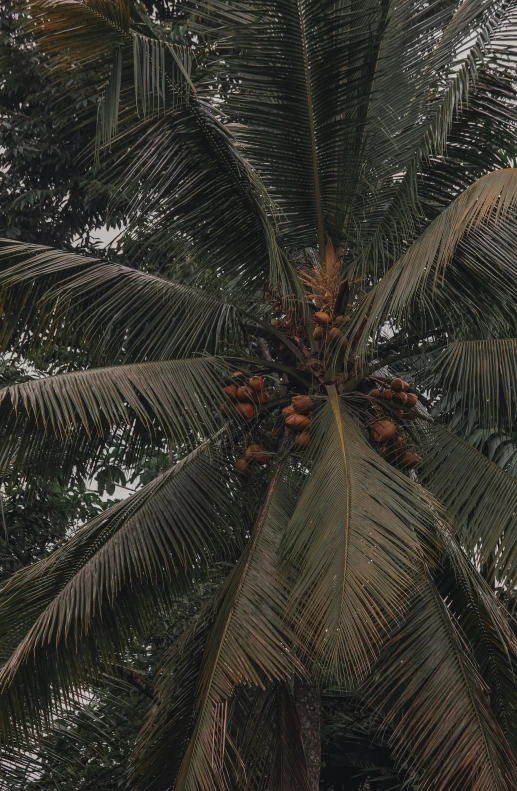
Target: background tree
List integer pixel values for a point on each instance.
(329, 156)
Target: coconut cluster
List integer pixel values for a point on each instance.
(327, 328)
(297, 418)
(385, 433)
(254, 454)
(245, 393)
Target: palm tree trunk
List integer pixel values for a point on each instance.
(307, 701)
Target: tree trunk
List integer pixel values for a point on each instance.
(307, 701)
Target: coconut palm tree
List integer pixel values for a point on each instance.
(319, 277)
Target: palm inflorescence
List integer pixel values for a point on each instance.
(313, 315)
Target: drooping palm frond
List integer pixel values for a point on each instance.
(248, 643)
(486, 626)
(351, 547)
(117, 313)
(428, 685)
(481, 497)
(437, 146)
(422, 280)
(176, 399)
(483, 373)
(67, 617)
(185, 187)
(351, 166)
(269, 744)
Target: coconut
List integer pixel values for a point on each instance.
(382, 430)
(246, 410)
(406, 385)
(411, 399)
(395, 449)
(319, 333)
(302, 441)
(397, 384)
(410, 459)
(387, 394)
(339, 320)
(303, 404)
(256, 383)
(256, 453)
(242, 468)
(335, 335)
(400, 396)
(261, 397)
(321, 317)
(297, 422)
(236, 374)
(288, 410)
(231, 391)
(375, 393)
(244, 393)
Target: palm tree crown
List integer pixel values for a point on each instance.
(338, 177)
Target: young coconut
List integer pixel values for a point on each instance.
(256, 453)
(375, 393)
(246, 410)
(230, 391)
(261, 397)
(387, 394)
(242, 468)
(287, 411)
(411, 399)
(410, 460)
(297, 422)
(303, 404)
(397, 384)
(256, 383)
(335, 335)
(400, 396)
(245, 393)
(321, 317)
(383, 430)
(319, 333)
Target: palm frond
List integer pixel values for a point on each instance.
(249, 643)
(486, 626)
(269, 743)
(422, 280)
(410, 153)
(479, 495)
(351, 547)
(429, 688)
(69, 616)
(116, 312)
(177, 400)
(184, 186)
(483, 373)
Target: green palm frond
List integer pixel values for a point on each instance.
(486, 626)
(422, 280)
(248, 643)
(116, 312)
(427, 683)
(184, 186)
(480, 496)
(483, 373)
(351, 547)
(431, 90)
(70, 615)
(268, 742)
(176, 399)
